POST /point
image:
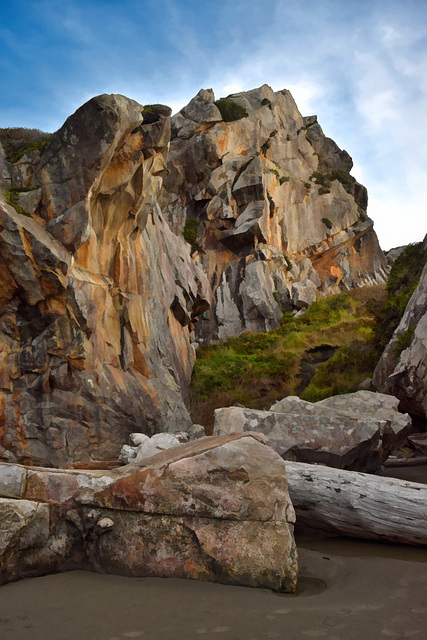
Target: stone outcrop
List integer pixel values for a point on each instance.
(403, 372)
(98, 296)
(275, 217)
(214, 509)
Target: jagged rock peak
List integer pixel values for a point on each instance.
(276, 218)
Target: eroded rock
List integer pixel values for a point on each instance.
(212, 509)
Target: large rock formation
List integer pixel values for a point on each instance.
(216, 509)
(402, 369)
(269, 206)
(98, 295)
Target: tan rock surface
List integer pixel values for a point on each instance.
(98, 295)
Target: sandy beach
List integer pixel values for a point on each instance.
(348, 590)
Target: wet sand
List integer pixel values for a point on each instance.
(364, 597)
(348, 590)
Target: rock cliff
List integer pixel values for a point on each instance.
(98, 295)
(99, 291)
(269, 206)
(402, 369)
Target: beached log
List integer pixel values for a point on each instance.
(358, 505)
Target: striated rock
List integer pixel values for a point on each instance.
(326, 438)
(265, 223)
(362, 405)
(404, 373)
(213, 509)
(98, 295)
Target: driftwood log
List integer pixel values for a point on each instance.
(358, 505)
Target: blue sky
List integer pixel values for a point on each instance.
(360, 65)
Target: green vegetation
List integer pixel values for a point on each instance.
(265, 147)
(289, 265)
(12, 197)
(327, 223)
(403, 342)
(325, 178)
(191, 231)
(307, 186)
(231, 110)
(283, 179)
(19, 141)
(401, 284)
(258, 369)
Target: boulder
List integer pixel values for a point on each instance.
(98, 295)
(213, 509)
(361, 405)
(317, 437)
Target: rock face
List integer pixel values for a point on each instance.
(276, 219)
(214, 509)
(98, 295)
(403, 373)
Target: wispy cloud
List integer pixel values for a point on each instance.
(360, 65)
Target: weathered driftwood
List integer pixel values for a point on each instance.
(416, 461)
(359, 505)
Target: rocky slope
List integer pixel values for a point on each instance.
(402, 369)
(267, 201)
(98, 295)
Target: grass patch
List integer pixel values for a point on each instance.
(257, 369)
(231, 110)
(325, 179)
(12, 197)
(403, 342)
(191, 231)
(401, 284)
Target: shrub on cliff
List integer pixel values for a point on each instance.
(18, 141)
(231, 110)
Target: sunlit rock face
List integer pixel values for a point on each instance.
(272, 233)
(98, 295)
